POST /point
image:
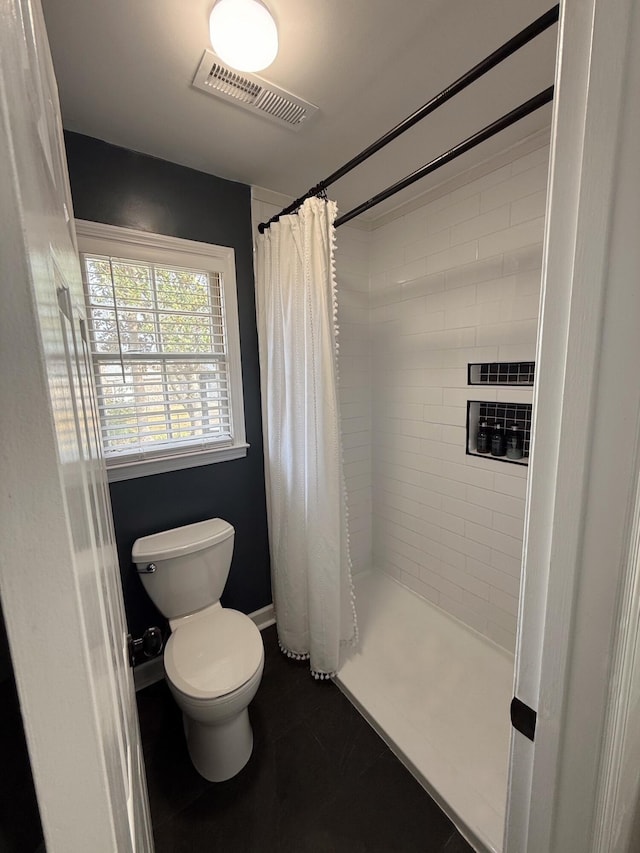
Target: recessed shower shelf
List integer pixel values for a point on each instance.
(524, 461)
(504, 414)
(505, 373)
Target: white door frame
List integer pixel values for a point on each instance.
(581, 503)
(59, 577)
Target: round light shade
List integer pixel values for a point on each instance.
(243, 34)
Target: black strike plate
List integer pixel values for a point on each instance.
(523, 718)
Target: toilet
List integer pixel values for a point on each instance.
(214, 657)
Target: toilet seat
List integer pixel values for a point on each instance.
(213, 653)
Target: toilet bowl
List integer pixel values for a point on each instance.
(214, 657)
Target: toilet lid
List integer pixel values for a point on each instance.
(213, 654)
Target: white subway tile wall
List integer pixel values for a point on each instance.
(453, 282)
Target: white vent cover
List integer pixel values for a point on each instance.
(251, 92)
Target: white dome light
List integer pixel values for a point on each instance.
(243, 34)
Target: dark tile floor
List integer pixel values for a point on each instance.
(320, 780)
(20, 829)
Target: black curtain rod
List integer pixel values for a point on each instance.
(507, 49)
(487, 132)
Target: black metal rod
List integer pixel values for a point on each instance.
(487, 132)
(507, 49)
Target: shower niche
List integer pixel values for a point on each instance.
(520, 373)
(505, 414)
(514, 419)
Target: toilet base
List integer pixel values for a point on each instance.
(219, 752)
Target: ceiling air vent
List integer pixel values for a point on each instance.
(251, 93)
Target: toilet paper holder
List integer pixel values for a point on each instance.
(150, 644)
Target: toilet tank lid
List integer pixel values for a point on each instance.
(181, 540)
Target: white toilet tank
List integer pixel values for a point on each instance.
(191, 565)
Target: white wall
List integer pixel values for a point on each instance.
(454, 281)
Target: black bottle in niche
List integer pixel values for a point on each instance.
(483, 438)
(498, 441)
(514, 442)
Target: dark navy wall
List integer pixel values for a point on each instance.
(121, 187)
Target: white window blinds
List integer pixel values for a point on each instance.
(159, 344)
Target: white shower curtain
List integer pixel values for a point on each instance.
(306, 502)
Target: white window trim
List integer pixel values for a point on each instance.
(142, 245)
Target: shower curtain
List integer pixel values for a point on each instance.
(306, 500)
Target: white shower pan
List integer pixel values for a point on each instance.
(439, 695)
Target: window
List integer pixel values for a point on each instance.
(164, 337)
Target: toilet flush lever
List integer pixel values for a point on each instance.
(147, 570)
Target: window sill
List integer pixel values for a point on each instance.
(148, 467)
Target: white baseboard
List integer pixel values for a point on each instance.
(264, 617)
(150, 671)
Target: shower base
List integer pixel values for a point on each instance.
(439, 694)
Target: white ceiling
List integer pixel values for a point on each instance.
(125, 67)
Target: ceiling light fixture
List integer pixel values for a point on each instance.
(243, 34)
